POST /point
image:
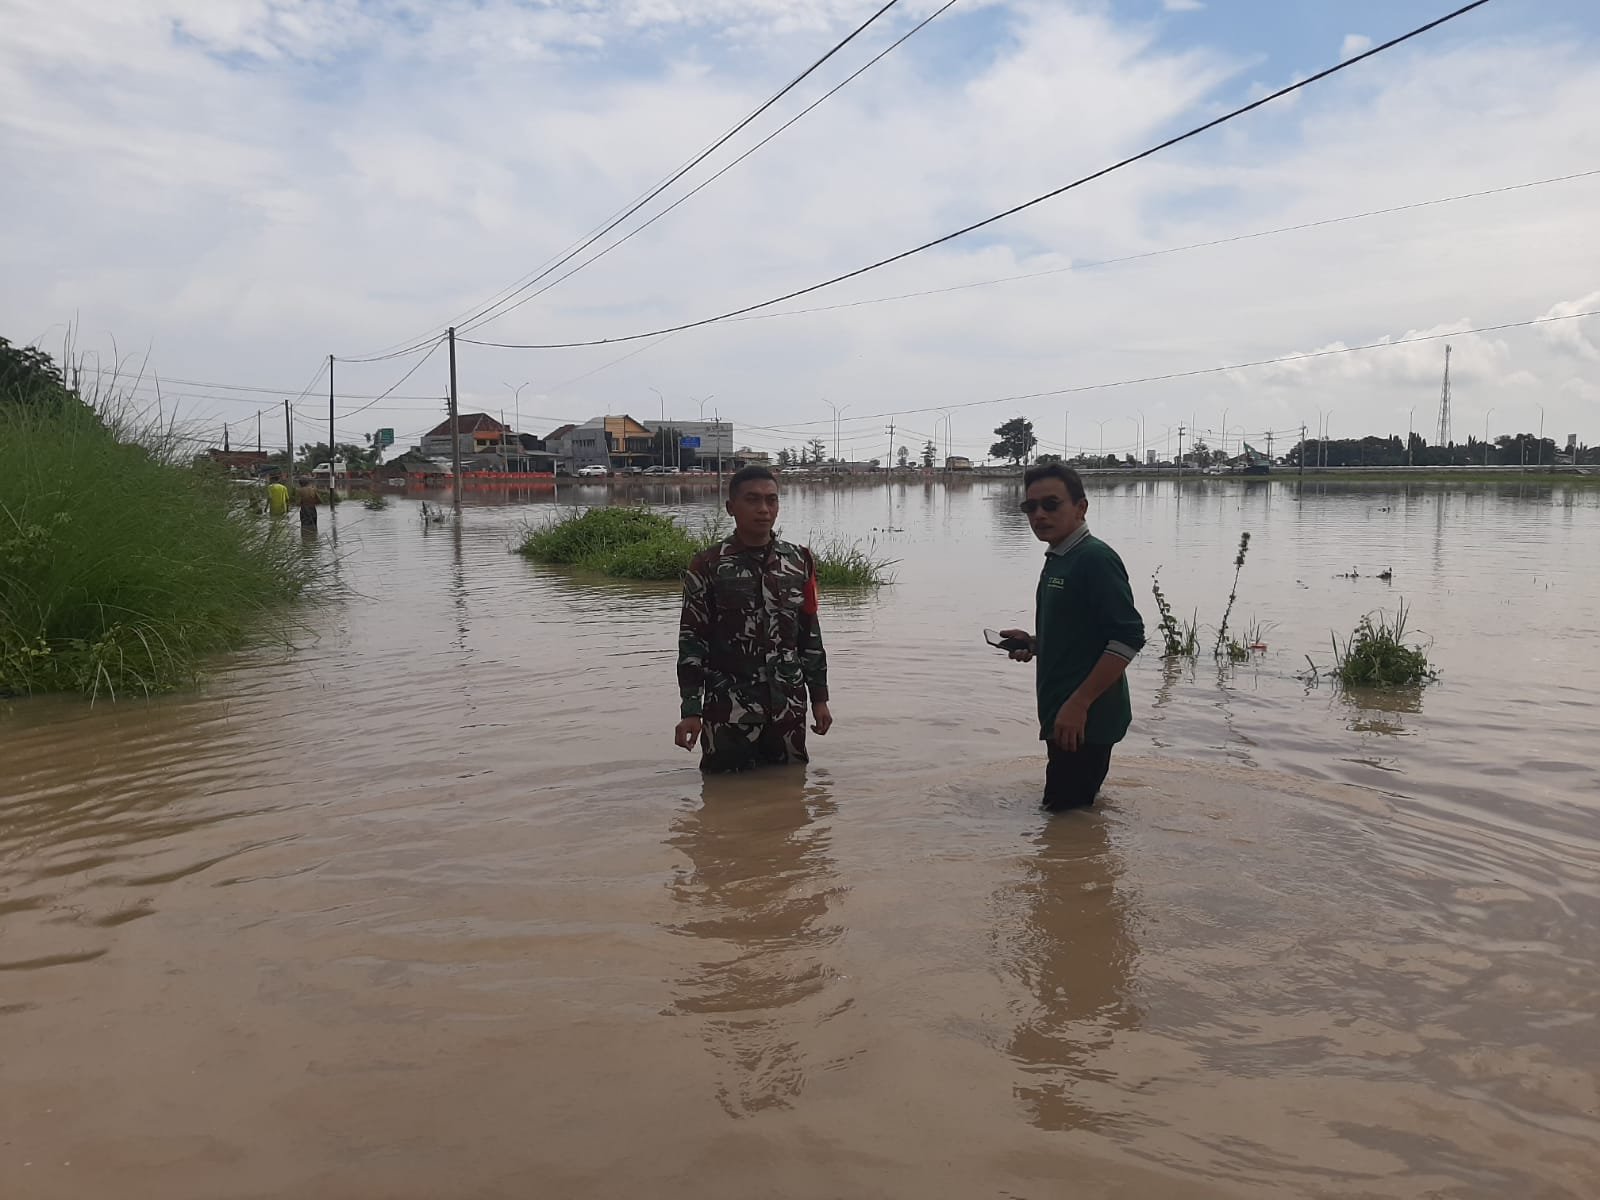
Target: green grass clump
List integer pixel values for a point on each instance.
(628, 543)
(845, 564)
(635, 543)
(1376, 655)
(121, 564)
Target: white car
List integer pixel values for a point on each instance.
(594, 470)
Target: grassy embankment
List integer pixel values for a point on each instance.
(122, 565)
(634, 543)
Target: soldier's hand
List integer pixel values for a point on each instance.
(1021, 635)
(688, 732)
(821, 718)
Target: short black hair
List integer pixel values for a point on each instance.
(1070, 478)
(745, 474)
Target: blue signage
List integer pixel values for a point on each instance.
(690, 443)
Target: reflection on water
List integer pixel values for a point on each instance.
(757, 890)
(1074, 951)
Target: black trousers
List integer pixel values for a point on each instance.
(1073, 777)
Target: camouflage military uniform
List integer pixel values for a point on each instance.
(749, 651)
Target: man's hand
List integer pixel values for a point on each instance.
(1070, 720)
(688, 732)
(821, 718)
(1021, 635)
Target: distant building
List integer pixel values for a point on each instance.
(957, 462)
(746, 457)
(476, 433)
(713, 438)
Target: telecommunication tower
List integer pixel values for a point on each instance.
(1444, 403)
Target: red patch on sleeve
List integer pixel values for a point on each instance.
(809, 605)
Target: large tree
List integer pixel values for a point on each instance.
(929, 453)
(818, 448)
(1016, 441)
(30, 376)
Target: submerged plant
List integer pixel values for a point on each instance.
(1224, 644)
(1180, 638)
(635, 543)
(1376, 655)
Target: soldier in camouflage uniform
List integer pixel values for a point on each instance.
(749, 646)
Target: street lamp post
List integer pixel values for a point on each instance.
(1411, 433)
(1136, 436)
(516, 420)
(1538, 463)
(702, 404)
(1486, 436)
(1102, 425)
(663, 400)
(838, 412)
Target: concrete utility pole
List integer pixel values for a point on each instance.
(1302, 450)
(888, 459)
(258, 431)
(333, 455)
(1180, 453)
(288, 437)
(455, 428)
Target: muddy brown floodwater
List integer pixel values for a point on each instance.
(431, 907)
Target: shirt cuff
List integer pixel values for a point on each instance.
(1121, 650)
(692, 706)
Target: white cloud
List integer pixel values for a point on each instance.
(286, 179)
(1354, 44)
(1575, 337)
(1182, 6)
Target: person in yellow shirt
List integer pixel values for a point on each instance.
(277, 498)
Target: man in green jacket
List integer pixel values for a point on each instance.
(1089, 631)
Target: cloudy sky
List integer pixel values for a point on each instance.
(230, 190)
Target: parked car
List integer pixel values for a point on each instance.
(593, 471)
(661, 470)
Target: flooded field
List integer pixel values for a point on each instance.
(430, 906)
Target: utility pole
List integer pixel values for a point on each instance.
(226, 448)
(888, 459)
(716, 426)
(333, 495)
(258, 431)
(455, 427)
(1180, 453)
(1302, 451)
(1269, 447)
(288, 437)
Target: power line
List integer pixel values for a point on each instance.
(1198, 371)
(1027, 204)
(486, 313)
(1127, 258)
(924, 23)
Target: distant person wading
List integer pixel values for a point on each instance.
(308, 498)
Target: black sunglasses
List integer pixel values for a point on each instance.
(1049, 504)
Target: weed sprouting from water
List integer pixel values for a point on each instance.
(1225, 646)
(1376, 655)
(1180, 638)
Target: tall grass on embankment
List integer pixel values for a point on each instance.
(635, 543)
(121, 564)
